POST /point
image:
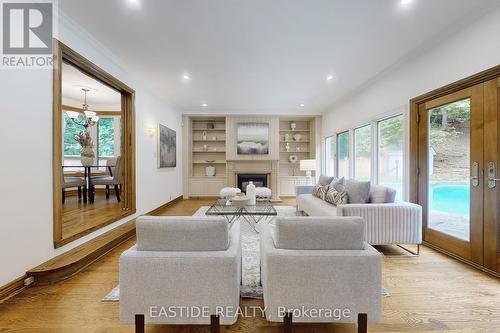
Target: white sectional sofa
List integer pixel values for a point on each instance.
(386, 223)
(319, 263)
(191, 262)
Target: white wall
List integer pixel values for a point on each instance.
(26, 163)
(467, 52)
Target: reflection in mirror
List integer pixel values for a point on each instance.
(91, 164)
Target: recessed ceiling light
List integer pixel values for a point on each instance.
(204, 105)
(134, 3)
(329, 77)
(186, 77)
(302, 105)
(405, 2)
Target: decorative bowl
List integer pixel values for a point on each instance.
(239, 200)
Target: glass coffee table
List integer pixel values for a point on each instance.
(252, 214)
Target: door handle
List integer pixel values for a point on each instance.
(475, 174)
(491, 175)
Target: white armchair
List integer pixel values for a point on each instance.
(320, 263)
(190, 262)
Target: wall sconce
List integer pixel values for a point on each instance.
(151, 132)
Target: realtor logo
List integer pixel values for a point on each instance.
(27, 32)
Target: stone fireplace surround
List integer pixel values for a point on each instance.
(269, 168)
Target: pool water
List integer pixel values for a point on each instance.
(450, 198)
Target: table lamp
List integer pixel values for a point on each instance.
(308, 166)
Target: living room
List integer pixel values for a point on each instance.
(250, 166)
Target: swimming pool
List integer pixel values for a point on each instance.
(450, 198)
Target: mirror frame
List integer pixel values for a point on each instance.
(63, 53)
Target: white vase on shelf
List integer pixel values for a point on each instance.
(251, 195)
(287, 147)
(210, 171)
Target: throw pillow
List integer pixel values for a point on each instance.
(357, 191)
(320, 191)
(378, 194)
(382, 194)
(338, 184)
(324, 180)
(335, 197)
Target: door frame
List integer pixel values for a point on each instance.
(63, 53)
(490, 259)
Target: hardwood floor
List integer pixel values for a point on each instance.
(78, 216)
(429, 293)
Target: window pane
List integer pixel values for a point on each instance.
(106, 137)
(71, 129)
(362, 152)
(343, 155)
(329, 155)
(449, 169)
(390, 154)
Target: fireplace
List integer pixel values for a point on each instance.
(259, 180)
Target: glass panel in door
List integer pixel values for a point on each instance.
(449, 167)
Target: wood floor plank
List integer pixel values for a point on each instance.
(429, 294)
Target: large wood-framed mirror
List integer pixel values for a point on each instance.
(93, 147)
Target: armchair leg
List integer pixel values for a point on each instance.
(214, 324)
(107, 191)
(63, 196)
(288, 323)
(117, 192)
(85, 193)
(79, 192)
(362, 323)
(139, 323)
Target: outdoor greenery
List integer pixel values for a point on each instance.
(105, 144)
(391, 133)
(71, 129)
(106, 137)
(343, 146)
(362, 141)
(447, 121)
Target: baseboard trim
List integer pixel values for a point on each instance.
(465, 261)
(75, 260)
(157, 210)
(12, 288)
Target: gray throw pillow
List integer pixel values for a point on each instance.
(338, 184)
(357, 191)
(382, 194)
(324, 180)
(335, 197)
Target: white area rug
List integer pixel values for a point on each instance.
(250, 250)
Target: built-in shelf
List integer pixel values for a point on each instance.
(206, 162)
(294, 131)
(295, 152)
(209, 151)
(209, 130)
(222, 141)
(290, 141)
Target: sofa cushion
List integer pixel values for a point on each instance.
(189, 233)
(357, 191)
(382, 194)
(319, 191)
(319, 233)
(324, 180)
(314, 206)
(338, 184)
(335, 197)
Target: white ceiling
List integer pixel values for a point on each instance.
(100, 97)
(266, 56)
